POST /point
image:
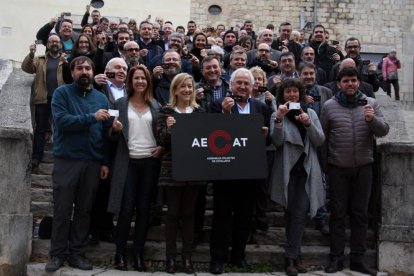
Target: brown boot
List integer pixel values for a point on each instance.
(301, 265)
(290, 268)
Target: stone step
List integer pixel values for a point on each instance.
(47, 157)
(103, 253)
(275, 235)
(41, 180)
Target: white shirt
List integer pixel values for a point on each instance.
(117, 92)
(141, 139)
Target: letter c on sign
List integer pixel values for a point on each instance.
(212, 142)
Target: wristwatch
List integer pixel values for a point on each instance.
(278, 121)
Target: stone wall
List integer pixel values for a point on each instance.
(15, 153)
(380, 25)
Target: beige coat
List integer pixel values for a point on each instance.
(37, 66)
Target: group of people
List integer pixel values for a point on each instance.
(113, 92)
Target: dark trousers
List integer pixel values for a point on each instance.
(350, 190)
(140, 183)
(387, 87)
(263, 201)
(181, 205)
(296, 211)
(200, 209)
(233, 211)
(102, 221)
(42, 115)
(74, 187)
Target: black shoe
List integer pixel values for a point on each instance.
(242, 264)
(335, 265)
(120, 262)
(139, 264)
(170, 266)
(106, 237)
(261, 225)
(93, 239)
(290, 267)
(362, 268)
(216, 267)
(54, 264)
(80, 262)
(188, 265)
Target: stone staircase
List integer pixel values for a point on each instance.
(265, 249)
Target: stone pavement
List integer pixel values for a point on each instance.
(38, 270)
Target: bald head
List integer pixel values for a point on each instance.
(348, 62)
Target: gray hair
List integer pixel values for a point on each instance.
(113, 60)
(242, 71)
(176, 34)
(128, 43)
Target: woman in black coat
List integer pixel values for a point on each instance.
(181, 196)
(136, 165)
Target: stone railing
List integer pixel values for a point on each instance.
(396, 182)
(15, 154)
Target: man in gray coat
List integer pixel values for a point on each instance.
(350, 121)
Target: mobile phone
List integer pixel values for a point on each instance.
(207, 47)
(294, 106)
(362, 102)
(110, 75)
(316, 98)
(207, 87)
(186, 56)
(334, 42)
(38, 41)
(237, 98)
(67, 14)
(165, 65)
(366, 62)
(262, 89)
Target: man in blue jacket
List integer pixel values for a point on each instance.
(79, 115)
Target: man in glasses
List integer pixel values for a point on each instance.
(366, 69)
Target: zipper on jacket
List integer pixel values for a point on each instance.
(353, 136)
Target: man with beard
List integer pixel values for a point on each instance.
(48, 70)
(101, 58)
(80, 120)
(265, 36)
(326, 55)
(308, 55)
(366, 69)
(284, 43)
(149, 48)
(163, 75)
(190, 63)
(264, 61)
(131, 50)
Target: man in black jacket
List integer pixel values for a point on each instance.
(366, 69)
(234, 199)
(284, 43)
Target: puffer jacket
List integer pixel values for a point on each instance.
(349, 138)
(37, 66)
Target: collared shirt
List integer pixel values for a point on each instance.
(218, 91)
(245, 109)
(117, 92)
(293, 76)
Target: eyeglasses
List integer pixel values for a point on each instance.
(264, 50)
(133, 50)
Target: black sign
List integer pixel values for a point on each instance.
(218, 147)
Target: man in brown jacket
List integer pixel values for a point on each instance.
(48, 70)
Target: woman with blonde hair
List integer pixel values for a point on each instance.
(181, 196)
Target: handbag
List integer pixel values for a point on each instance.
(392, 76)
